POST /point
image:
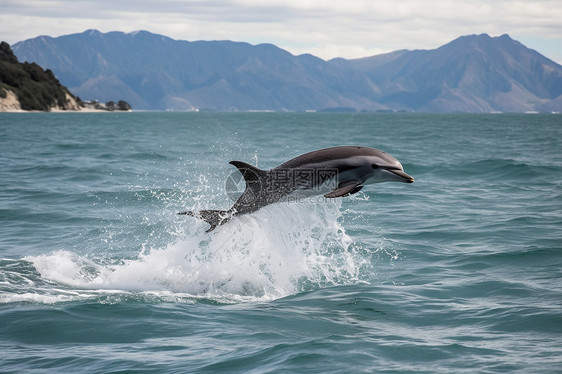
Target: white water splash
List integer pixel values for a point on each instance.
(280, 250)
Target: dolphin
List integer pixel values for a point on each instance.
(331, 172)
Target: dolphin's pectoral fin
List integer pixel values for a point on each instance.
(356, 189)
(345, 189)
(212, 217)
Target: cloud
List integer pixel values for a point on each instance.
(350, 28)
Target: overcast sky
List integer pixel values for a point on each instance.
(324, 28)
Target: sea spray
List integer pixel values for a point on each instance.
(280, 250)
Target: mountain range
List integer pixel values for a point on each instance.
(474, 73)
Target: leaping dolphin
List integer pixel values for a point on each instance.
(332, 172)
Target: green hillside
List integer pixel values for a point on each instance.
(35, 88)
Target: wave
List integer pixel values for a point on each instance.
(278, 251)
(146, 156)
(501, 169)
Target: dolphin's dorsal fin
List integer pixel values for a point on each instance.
(249, 172)
(345, 189)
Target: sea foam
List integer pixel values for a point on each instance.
(280, 250)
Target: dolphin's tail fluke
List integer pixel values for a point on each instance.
(212, 217)
(255, 179)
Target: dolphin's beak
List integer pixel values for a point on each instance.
(405, 177)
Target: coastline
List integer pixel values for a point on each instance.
(57, 110)
(11, 104)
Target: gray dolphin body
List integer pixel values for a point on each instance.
(332, 172)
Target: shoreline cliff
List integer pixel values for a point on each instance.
(27, 87)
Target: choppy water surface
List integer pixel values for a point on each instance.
(458, 272)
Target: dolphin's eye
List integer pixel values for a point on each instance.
(375, 166)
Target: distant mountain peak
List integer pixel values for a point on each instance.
(92, 32)
(483, 37)
(141, 33)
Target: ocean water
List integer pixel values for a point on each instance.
(459, 272)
